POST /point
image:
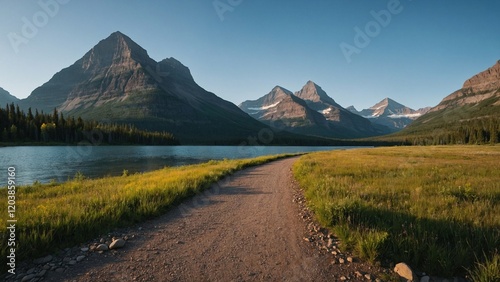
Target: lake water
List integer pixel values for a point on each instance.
(61, 163)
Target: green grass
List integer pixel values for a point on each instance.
(436, 208)
(56, 215)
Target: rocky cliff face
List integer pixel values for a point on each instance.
(482, 86)
(478, 100)
(117, 81)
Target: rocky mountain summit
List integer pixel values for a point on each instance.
(309, 111)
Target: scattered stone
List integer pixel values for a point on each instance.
(425, 279)
(334, 253)
(60, 270)
(358, 274)
(72, 262)
(404, 271)
(180, 242)
(41, 273)
(84, 249)
(43, 260)
(368, 276)
(330, 243)
(102, 247)
(80, 258)
(116, 244)
(66, 259)
(343, 278)
(350, 259)
(102, 241)
(28, 277)
(341, 261)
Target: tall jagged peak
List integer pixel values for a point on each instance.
(115, 49)
(313, 92)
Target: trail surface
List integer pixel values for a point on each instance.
(244, 228)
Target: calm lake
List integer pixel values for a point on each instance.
(63, 162)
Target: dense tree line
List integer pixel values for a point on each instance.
(474, 131)
(18, 126)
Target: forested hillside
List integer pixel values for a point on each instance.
(16, 126)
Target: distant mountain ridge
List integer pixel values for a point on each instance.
(6, 98)
(309, 111)
(390, 113)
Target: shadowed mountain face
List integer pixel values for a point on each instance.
(6, 98)
(478, 100)
(390, 113)
(117, 81)
(309, 111)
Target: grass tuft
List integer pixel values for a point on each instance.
(487, 271)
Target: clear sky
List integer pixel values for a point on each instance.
(241, 49)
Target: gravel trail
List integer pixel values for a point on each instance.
(247, 227)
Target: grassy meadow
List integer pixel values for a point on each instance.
(436, 208)
(52, 216)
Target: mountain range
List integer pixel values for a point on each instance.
(117, 81)
(309, 111)
(390, 113)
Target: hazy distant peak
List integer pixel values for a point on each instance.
(388, 104)
(6, 97)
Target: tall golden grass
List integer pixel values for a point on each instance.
(436, 208)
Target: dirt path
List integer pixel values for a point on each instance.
(245, 228)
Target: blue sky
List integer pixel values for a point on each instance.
(243, 48)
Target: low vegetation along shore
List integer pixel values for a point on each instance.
(58, 215)
(435, 208)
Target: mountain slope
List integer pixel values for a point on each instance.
(6, 98)
(390, 113)
(280, 108)
(309, 111)
(118, 81)
(470, 114)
